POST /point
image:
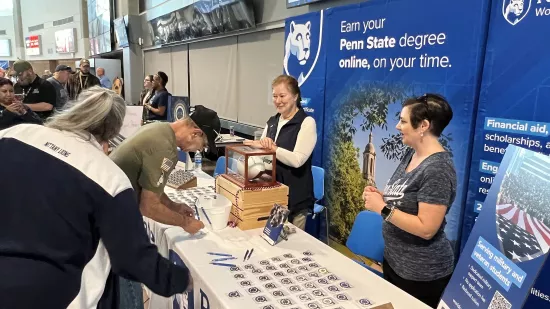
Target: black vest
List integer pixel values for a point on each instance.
(299, 180)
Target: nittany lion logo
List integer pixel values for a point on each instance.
(302, 48)
(515, 11)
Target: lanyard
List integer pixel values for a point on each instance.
(81, 84)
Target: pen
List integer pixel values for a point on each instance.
(224, 264)
(204, 212)
(224, 259)
(250, 254)
(245, 255)
(219, 254)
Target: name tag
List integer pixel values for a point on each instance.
(35, 91)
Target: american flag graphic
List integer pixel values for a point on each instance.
(522, 237)
(166, 164)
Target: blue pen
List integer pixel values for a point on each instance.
(204, 212)
(224, 259)
(223, 264)
(219, 254)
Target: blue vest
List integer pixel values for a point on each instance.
(299, 180)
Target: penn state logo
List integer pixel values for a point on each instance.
(515, 11)
(303, 41)
(179, 109)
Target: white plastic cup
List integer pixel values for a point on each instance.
(217, 210)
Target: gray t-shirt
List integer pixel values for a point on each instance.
(432, 182)
(61, 93)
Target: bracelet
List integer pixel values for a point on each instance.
(391, 213)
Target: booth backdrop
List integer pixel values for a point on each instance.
(305, 59)
(378, 54)
(513, 109)
(515, 91)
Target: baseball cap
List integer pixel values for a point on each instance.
(209, 122)
(63, 67)
(21, 66)
(84, 61)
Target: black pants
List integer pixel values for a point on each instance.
(429, 292)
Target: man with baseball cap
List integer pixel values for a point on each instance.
(81, 80)
(59, 82)
(148, 158)
(38, 94)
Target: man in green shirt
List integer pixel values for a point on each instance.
(149, 156)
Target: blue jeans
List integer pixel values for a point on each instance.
(131, 294)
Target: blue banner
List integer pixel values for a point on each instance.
(515, 91)
(379, 53)
(305, 59)
(508, 246)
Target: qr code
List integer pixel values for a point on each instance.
(499, 302)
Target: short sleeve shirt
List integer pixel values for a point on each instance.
(160, 99)
(38, 91)
(61, 93)
(148, 157)
(433, 181)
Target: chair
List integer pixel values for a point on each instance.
(319, 193)
(366, 238)
(220, 165)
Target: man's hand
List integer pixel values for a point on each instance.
(192, 225)
(185, 210)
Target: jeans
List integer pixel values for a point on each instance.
(131, 294)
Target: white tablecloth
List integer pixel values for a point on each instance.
(215, 287)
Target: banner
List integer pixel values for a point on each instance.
(305, 59)
(514, 96)
(509, 245)
(378, 54)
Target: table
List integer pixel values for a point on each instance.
(227, 139)
(220, 287)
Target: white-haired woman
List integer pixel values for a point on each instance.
(80, 212)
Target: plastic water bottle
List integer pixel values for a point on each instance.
(198, 161)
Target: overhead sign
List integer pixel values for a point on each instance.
(65, 41)
(32, 45)
(5, 48)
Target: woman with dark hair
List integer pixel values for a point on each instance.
(292, 134)
(12, 111)
(156, 108)
(418, 257)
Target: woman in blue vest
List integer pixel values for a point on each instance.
(292, 134)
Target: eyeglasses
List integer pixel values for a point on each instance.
(427, 96)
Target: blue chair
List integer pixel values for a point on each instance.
(319, 193)
(366, 238)
(220, 166)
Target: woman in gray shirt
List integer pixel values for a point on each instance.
(418, 257)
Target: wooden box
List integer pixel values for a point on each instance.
(251, 206)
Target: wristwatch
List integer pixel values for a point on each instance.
(386, 212)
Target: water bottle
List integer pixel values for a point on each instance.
(198, 161)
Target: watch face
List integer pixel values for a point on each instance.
(385, 212)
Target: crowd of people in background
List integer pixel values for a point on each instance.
(524, 191)
(27, 97)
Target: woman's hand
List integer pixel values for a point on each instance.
(17, 108)
(253, 144)
(374, 201)
(268, 143)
